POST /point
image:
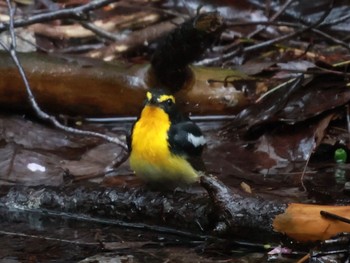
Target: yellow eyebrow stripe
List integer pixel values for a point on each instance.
(163, 98)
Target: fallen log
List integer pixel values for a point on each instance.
(87, 87)
(230, 214)
(183, 211)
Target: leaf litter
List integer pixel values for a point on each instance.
(268, 142)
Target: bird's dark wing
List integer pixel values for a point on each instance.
(185, 138)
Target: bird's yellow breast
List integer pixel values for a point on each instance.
(150, 155)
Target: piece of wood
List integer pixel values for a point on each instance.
(231, 214)
(184, 211)
(241, 214)
(88, 87)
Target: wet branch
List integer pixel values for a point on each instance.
(99, 31)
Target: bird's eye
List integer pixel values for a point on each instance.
(169, 102)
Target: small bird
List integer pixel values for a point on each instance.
(165, 146)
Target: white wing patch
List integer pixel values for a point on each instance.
(196, 140)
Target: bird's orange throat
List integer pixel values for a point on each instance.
(150, 132)
(150, 136)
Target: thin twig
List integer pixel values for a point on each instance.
(273, 41)
(252, 48)
(305, 167)
(265, 43)
(336, 21)
(79, 49)
(313, 71)
(205, 118)
(262, 23)
(291, 35)
(303, 29)
(329, 215)
(273, 18)
(100, 32)
(210, 61)
(75, 12)
(40, 113)
(303, 174)
(304, 259)
(296, 15)
(331, 38)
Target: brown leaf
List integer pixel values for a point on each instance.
(94, 162)
(19, 166)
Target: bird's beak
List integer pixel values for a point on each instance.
(152, 101)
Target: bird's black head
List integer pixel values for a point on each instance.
(162, 99)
